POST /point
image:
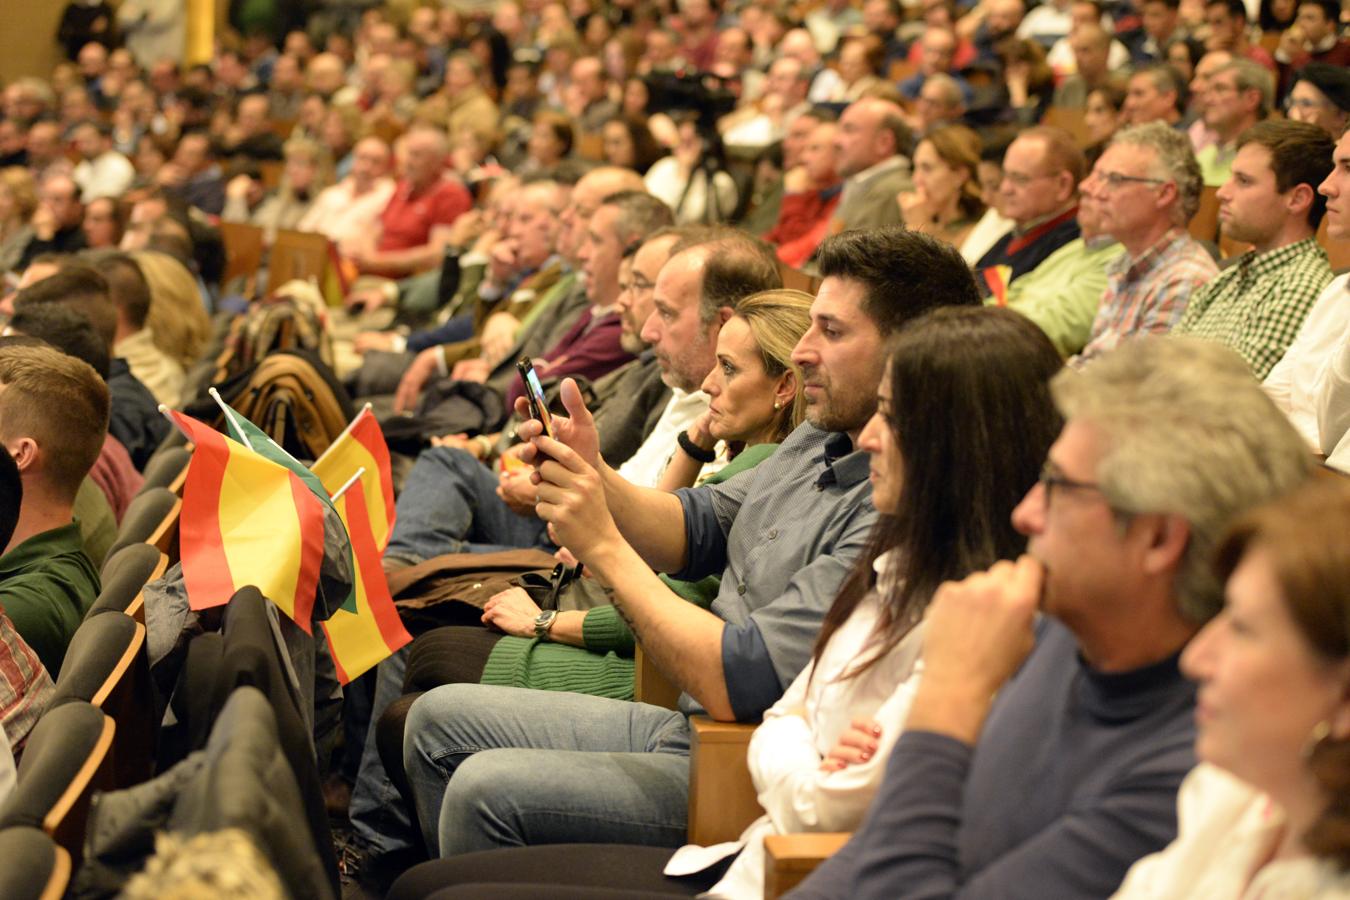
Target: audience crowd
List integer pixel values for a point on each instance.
(951, 401)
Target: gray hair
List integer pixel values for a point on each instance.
(1252, 76)
(640, 214)
(1188, 432)
(1174, 160)
(951, 89)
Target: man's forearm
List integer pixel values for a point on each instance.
(652, 521)
(402, 262)
(683, 640)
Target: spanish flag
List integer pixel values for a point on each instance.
(247, 520)
(361, 448)
(257, 440)
(361, 640)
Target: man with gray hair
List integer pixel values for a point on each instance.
(1069, 774)
(1238, 95)
(1154, 93)
(1147, 184)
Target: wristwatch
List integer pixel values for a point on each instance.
(543, 622)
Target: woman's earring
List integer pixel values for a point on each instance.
(1320, 733)
(777, 404)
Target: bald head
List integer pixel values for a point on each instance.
(590, 190)
(870, 130)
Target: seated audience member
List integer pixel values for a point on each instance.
(758, 123)
(1069, 774)
(1081, 14)
(1103, 115)
(1146, 186)
(1201, 134)
(1321, 96)
(952, 377)
(194, 175)
(1155, 93)
(25, 686)
(103, 224)
(18, 202)
(1091, 44)
(1257, 304)
(250, 136)
(946, 201)
(550, 143)
(1238, 96)
(628, 143)
(936, 50)
(101, 171)
(693, 180)
(134, 417)
(307, 171)
(1264, 812)
(53, 417)
(1160, 28)
(426, 201)
(809, 200)
(1314, 38)
(872, 147)
(825, 81)
(349, 210)
(590, 347)
(1312, 359)
(1062, 294)
(1228, 30)
(177, 320)
(735, 661)
(940, 102)
(462, 103)
(859, 62)
(1039, 192)
(57, 220)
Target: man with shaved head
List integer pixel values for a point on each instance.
(872, 145)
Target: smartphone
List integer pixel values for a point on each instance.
(534, 393)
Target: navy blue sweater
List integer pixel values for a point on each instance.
(1073, 779)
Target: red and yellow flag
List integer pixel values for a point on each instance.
(360, 447)
(363, 639)
(247, 520)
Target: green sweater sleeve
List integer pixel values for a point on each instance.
(1061, 295)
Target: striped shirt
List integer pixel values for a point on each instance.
(1148, 293)
(1257, 304)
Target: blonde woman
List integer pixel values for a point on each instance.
(308, 170)
(178, 323)
(18, 201)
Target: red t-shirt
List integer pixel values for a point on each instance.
(408, 219)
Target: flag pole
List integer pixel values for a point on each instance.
(346, 431)
(168, 414)
(229, 415)
(350, 481)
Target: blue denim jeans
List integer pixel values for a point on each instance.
(449, 504)
(377, 812)
(505, 767)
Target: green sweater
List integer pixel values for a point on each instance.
(1061, 295)
(46, 585)
(604, 667)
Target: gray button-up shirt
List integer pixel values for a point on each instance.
(783, 535)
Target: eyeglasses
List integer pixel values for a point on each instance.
(1114, 181)
(1291, 103)
(1051, 478)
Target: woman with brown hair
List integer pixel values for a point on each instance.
(18, 202)
(946, 201)
(1267, 811)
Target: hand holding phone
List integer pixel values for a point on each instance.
(534, 394)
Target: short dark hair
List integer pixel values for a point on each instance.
(11, 497)
(66, 329)
(1300, 153)
(1331, 9)
(81, 288)
(1236, 8)
(127, 287)
(904, 273)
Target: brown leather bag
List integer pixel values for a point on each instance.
(452, 589)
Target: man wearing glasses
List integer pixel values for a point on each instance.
(1039, 192)
(1147, 185)
(1042, 754)
(1258, 303)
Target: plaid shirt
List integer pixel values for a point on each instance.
(1257, 304)
(25, 687)
(1148, 293)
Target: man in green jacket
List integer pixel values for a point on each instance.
(53, 417)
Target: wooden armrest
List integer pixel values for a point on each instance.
(722, 798)
(789, 858)
(650, 685)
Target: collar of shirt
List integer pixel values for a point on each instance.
(1256, 264)
(844, 466)
(1135, 268)
(886, 165)
(54, 542)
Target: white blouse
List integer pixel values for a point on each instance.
(1226, 830)
(799, 731)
